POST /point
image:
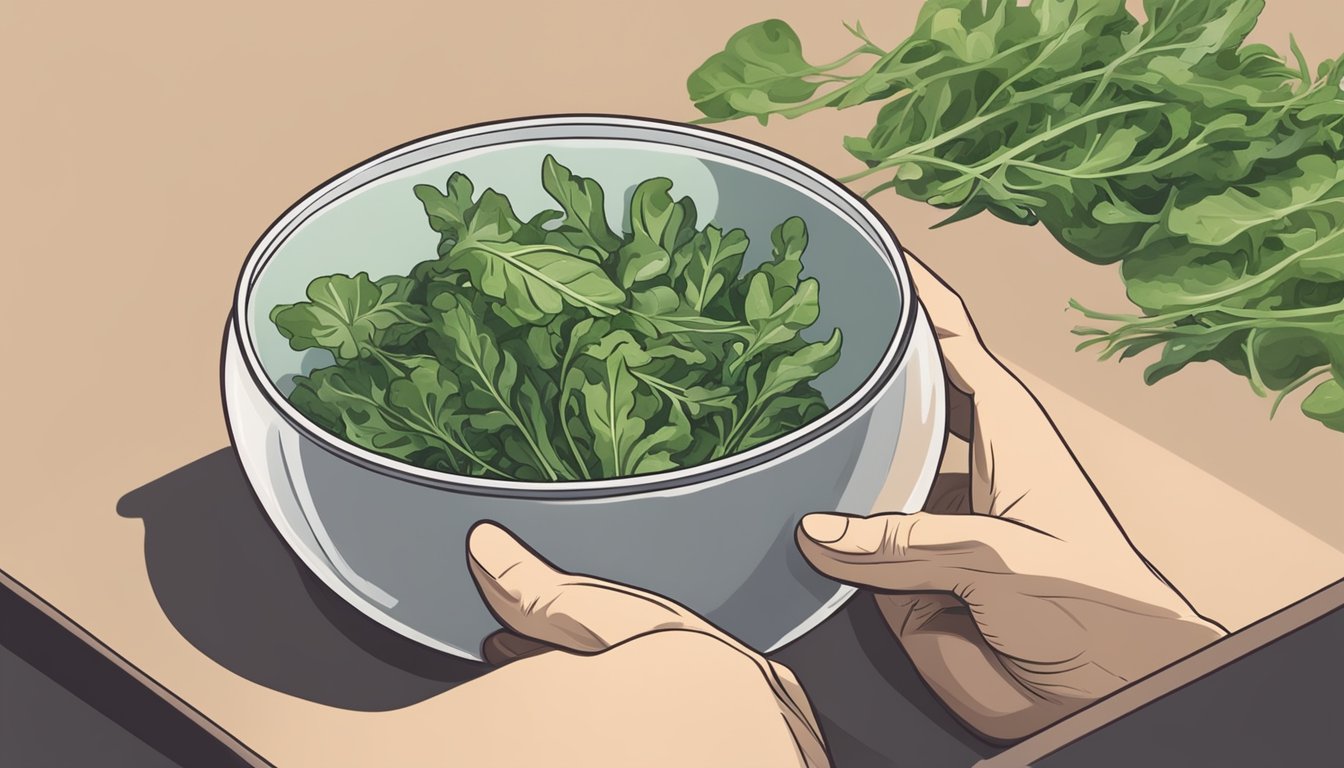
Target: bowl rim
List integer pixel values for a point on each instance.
(848, 410)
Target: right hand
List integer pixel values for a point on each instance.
(1016, 593)
(646, 681)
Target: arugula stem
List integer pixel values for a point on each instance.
(965, 170)
(1252, 371)
(748, 420)
(394, 363)
(569, 438)
(709, 331)
(1125, 336)
(969, 125)
(801, 73)
(512, 259)
(1159, 162)
(615, 439)
(508, 411)
(563, 407)
(1283, 213)
(527, 435)
(1295, 384)
(1022, 98)
(1264, 275)
(429, 429)
(1276, 314)
(450, 440)
(1052, 45)
(382, 357)
(1195, 312)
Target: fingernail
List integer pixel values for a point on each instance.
(493, 549)
(823, 528)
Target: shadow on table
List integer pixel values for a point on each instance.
(230, 585)
(874, 708)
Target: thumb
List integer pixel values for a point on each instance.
(919, 552)
(579, 613)
(589, 615)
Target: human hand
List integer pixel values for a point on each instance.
(708, 699)
(1016, 593)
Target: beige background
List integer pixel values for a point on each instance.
(147, 145)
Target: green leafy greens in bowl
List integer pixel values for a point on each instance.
(556, 349)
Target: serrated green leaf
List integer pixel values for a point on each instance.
(760, 70)
(343, 314)
(585, 224)
(1326, 404)
(1211, 169)
(449, 211)
(518, 352)
(707, 264)
(534, 281)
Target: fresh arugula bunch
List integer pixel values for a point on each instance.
(555, 349)
(1211, 170)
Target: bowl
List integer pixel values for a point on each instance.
(389, 537)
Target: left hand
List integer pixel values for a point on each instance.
(722, 704)
(1015, 592)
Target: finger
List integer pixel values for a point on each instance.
(947, 312)
(504, 646)
(970, 366)
(918, 552)
(578, 613)
(1001, 410)
(798, 712)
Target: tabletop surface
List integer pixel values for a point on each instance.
(156, 141)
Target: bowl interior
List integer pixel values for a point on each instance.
(369, 220)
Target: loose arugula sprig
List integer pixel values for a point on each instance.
(555, 349)
(1212, 171)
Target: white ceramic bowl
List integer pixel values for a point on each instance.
(389, 537)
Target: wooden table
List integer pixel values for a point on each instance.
(149, 144)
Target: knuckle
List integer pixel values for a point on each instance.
(891, 536)
(527, 588)
(533, 605)
(898, 533)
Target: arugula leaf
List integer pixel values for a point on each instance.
(617, 413)
(760, 71)
(488, 372)
(343, 314)
(788, 241)
(352, 402)
(428, 401)
(585, 224)
(1211, 169)
(781, 415)
(770, 380)
(555, 349)
(449, 212)
(534, 281)
(776, 314)
(1315, 183)
(704, 267)
(659, 226)
(1326, 404)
